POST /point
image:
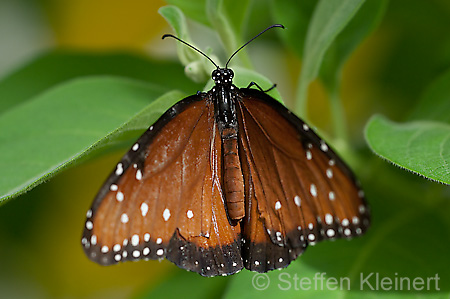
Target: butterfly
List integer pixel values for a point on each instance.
(223, 180)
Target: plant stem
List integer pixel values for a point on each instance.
(338, 118)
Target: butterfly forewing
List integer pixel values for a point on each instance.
(303, 192)
(164, 198)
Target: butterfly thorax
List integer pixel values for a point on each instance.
(224, 95)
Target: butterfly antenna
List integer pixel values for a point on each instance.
(189, 45)
(270, 27)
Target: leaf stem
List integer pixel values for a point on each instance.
(338, 118)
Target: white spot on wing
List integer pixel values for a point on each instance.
(330, 233)
(190, 214)
(331, 195)
(313, 190)
(119, 169)
(138, 175)
(329, 173)
(144, 209)
(362, 209)
(328, 219)
(277, 205)
(89, 225)
(166, 214)
(135, 240)
(297, 200)
(113, 187)
(147, 237)
(119, 196)
(124, 218)
(135, 146)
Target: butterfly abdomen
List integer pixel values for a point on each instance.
(232, 175)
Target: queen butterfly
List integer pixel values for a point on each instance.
(225, 179)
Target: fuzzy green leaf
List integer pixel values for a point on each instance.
(59, 127)
(422, 147)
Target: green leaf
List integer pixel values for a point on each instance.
(329, 19)
(57, 128)
(197, 67)
(422, 147)
(295, 16)
(193, 9)
(55, 67)
(435, 103)
(228, 24)
(364, 22)
(175, 17)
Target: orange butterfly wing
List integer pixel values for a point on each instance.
(164, 198)
(299, 191)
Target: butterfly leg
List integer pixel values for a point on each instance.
(259, 87)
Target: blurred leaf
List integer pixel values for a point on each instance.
(328, 20)
(58, 66)
(364, 22)
(194, 9)
(174, 16)
(435, 103)
(238, 17)
(188, 285)
(59, 127)
(228, 22)
(295, 16)
(197, 67)
(422, 147)
(418, 49)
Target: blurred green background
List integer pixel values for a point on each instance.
(395, 60)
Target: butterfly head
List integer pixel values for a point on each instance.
(223, 76)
